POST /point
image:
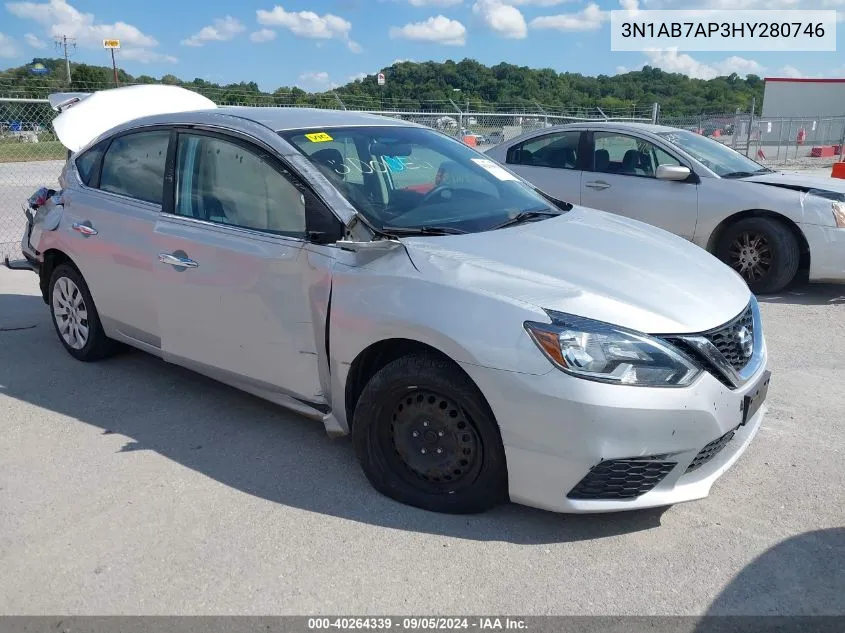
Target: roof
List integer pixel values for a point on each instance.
(623, 125)
(283, 118)
(791, 80)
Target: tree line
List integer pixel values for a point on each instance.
(431, 86)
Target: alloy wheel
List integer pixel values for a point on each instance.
(751, 256)
(71, 313)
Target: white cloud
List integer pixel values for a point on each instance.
(750, 4)
(791, 72)
(319, 81)
(672, 61)
(439, 29)
(501, 18)
(536, 3)
(435, 3)
(590, 18)
(33, 41)
(359, 76)
(262, 35)
(222, 30)
(310, 25)
(7, 46)
(58, 17)
(145, 55)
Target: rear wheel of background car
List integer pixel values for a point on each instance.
(75, 316)
(425, 436)
(764, 251)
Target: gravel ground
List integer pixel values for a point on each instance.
(135, 487)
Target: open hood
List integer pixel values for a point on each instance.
(83, 117)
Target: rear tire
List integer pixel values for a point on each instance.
(75, 316)
(764, 251)
(425, 437)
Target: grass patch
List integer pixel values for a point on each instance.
(17, 152)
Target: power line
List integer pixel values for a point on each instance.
(64, 42)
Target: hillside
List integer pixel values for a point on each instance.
(431, 85)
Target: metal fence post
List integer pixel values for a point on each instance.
(750, 124)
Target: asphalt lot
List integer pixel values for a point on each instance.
(135, 487)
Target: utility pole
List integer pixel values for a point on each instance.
(64, 42)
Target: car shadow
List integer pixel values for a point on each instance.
(242, 441)
(801, 576)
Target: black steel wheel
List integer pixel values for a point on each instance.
(763, 251)
(425, 436)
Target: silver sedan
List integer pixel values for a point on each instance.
(480, 341)
(767, 225)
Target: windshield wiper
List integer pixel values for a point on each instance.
(740, 174)
(524, 216)
(421, 230)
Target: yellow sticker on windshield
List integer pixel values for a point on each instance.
(318, 137)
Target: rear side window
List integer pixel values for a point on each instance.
(88, 164)
(558, 151)
(134, 164)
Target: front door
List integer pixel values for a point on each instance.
(230, 270)
(622, 180)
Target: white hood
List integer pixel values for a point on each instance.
(592, 264)
(86, 117)
(797, 179)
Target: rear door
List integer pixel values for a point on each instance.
(620, 178)
(551, 162)
(231, 270)
(111, 214)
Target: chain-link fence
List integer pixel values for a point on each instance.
(31, 156)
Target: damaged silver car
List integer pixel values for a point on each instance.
(479, 340)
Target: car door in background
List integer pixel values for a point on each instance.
(112, 218)
(230, 269)
(551, 163)
(621, 178)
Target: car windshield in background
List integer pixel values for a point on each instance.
(413, 179)
(712, 154)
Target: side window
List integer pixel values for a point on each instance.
(134, 165)
(88, 164)
(628, 155)
(559, 151)
(221, 181)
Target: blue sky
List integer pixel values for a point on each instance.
(319, 43)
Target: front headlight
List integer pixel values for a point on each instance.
(607, 353)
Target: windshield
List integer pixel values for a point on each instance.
(416, 178)
(722, 160)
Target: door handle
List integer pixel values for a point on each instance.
(598, 185)
(174, 260)
(85, 229)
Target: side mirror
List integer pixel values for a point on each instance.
(672, 172)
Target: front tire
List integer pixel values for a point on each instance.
(75, 316)
(425, 436)
(762, 250)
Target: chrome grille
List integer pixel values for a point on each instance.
(728, 339)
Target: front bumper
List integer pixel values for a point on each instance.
(556, 429)
(827, 252)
